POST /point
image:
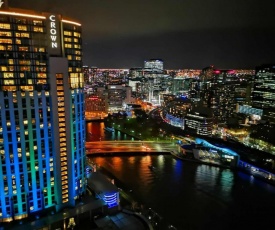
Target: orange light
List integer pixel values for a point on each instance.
(71, 22)
(24, 15)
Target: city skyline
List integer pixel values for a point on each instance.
(122, 34)
(48, 101)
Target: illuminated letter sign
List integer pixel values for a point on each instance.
(54, 34)
(53, 31)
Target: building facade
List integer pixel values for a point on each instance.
(42, 123)
(154, 64)
(263, 92)
(222, 90)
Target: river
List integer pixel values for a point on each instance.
(95, 132)
(194, 196)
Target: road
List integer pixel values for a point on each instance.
(129, 146)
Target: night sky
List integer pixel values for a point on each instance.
(184, 33)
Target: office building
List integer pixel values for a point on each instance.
(199, 122)
(42, 123)
(154, 64)
(263, 95)
(263, 92)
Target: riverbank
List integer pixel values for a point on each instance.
(130, 203)
(265, 178)
(200, 162)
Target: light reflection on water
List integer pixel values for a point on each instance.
(95, 132)
(189, 195)
(193, 196)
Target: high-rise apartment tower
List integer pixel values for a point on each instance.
(42, 123)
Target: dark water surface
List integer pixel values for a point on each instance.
(194, 196)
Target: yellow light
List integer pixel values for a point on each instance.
(71, 22)
(24, 15)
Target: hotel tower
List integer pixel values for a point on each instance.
(42, 123)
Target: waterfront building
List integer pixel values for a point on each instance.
(200, 120)
(42, 123)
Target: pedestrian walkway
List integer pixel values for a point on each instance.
(121, 220)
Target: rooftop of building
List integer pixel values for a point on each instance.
(31, 13)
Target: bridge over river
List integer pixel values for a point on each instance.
(124, 146)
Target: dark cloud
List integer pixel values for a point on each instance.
(185, 33)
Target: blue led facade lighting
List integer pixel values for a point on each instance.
(223, 150)
(111, 199)
(42, 123)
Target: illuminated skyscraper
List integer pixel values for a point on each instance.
(42, 123)
(264, 87)
(263, 94)
(154, 64)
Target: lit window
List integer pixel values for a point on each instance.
(25, 68)
(37, 22)
(8, 75)
(5, 26)
(9, 88)
(27, 88)
(3, 68)
(23, 48)
(8, 82)
(38, 29)
(5, 34)
(76, 34)
(21, 27)
(25, 35)
(24, 62)
(68, 33)
(5, 41)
